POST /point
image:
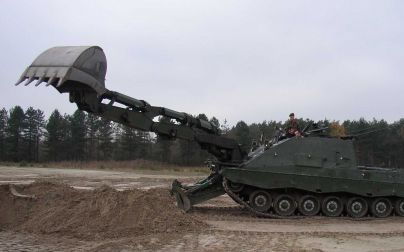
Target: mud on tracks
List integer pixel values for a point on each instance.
(92, 214)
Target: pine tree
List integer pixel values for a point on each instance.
(104, 136)
(92, 127)
(225, 128)
(162, 149)
(78, 135)
(57, 137)
(129, 141)
(14, 131)
(242, 135)
(3, 127)
(33, 129)
(143, 149)
(40, 123)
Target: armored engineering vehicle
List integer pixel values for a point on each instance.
(306, 176)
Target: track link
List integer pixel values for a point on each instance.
(240, 201)
(243, 203)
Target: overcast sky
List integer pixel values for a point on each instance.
(240, 60)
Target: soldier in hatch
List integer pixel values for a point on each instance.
(292, 127)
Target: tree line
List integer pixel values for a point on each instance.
(29, 136)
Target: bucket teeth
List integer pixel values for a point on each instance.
(40, 81)
(30, 79)
(21, 80)
(51, 80)
(60, 82)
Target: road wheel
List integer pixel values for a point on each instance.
(399, 207)
(381, 207)
(260, 200)
(235, 187)
(309, 205)
(357, 207)
(332, 206)
(284, 205)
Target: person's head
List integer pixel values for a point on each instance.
(292, 116)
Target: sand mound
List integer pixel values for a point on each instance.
(104, 212)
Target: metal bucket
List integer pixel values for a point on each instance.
(69, 67)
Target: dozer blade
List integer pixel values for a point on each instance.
(190, 195)
(182, 199)
(68, 68)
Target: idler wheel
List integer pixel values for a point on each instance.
(357, 207)
(381, 207)
(332, 206)
(309, 205)
(399, 207)
(235, 187)
(284, 205)
(260, 200)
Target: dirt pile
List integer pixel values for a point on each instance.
(104, 212)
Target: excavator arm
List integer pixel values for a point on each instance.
(80, 71)
(141, 115)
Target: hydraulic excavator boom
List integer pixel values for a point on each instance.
(80, 71)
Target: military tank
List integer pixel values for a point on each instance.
(313, 174)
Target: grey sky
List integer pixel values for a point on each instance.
(240, 60)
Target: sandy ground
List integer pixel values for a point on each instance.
(230, 227)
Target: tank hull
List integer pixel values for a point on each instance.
(312, 176)
(318, 165)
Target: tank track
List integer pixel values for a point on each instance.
(267, 214)
(240, 201)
